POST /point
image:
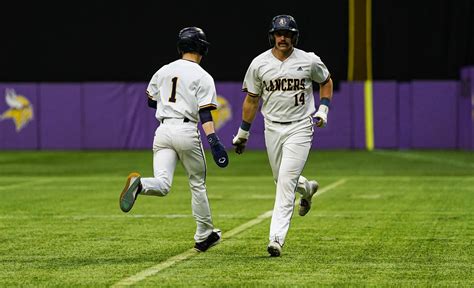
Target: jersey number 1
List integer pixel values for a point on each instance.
(173, 90)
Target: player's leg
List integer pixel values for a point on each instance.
(307, 189)
(193, 159)
(295, 150)
(274, 144)
(164, 163)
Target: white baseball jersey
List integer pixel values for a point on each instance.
(286, 86)
(172, 92)
(181, 88)
(286, 89)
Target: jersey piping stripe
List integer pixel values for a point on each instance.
(208, 106)
(250, 93)
(327, 80)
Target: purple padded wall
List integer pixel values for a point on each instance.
(357, 94)
(434, 114)
(61, 116)
(385, 114)
(466, 109)
(116, 116)
(418, 114)
(338, 132)
(404, 107)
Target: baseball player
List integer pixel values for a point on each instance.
(183, 94)
(281, 78)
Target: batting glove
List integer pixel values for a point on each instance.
(321, 116)
(240, 140)
(218, 150)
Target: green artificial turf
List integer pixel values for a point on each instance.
(393, 218)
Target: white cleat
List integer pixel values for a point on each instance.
(274, 248)
(305, 203)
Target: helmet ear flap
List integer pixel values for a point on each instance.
(271, 39)
(294, 39)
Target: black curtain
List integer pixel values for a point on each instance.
(422, 39)
(128, 40)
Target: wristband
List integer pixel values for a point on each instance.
(245, 125)
(324, 101)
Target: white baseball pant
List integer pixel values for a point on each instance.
(288, 147)
(177, 140)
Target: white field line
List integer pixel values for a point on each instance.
(85, 217)
(442, 161)
(25, 183)
(186, 254)
(191, 252)
(330, 187)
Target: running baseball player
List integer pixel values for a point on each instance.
(183, 93)
(281, 78)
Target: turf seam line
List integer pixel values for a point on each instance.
(191, 252)
(31, 182)
(425, 159)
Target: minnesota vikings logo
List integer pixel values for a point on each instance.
(21, 110)
(222, 114)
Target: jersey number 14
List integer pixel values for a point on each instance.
(299, 99)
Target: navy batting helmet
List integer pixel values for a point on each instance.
(283, 23)
(192, 39)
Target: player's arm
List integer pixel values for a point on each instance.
(207, 121)
(325, 97)
(325, 89)
(249, 111)
(218, 150)
(151, 102)
(250, 108)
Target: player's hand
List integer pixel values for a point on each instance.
(321, 117)
(218, 150)
(239, 144)
(240, 140)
